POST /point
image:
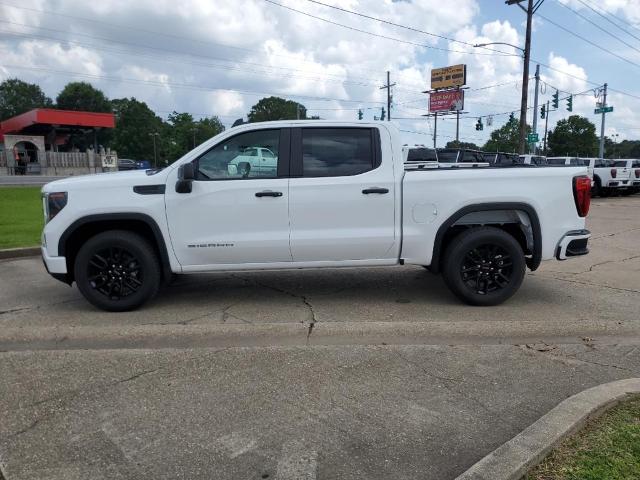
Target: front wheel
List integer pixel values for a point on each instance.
(484, 266)
(117, 271)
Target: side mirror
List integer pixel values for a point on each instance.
(186, 175)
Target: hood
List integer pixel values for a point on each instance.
(109, 179)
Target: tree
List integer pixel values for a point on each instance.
(135, 121)
(17, 97)
(183, 133)
(82, 96)
(575, 135)
(468, 145)
(207, 128)
(506, 138)
(276, 108)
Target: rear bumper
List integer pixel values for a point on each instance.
(618, 183)
(573, 244)
(56, 266)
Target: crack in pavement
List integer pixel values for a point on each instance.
(615, 233)
(542, 275)
(301, 297)
(603, 263)
(26, 429)
(138, 375)
(571, 360)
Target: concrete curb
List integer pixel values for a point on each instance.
(512, 460)
(19, 252)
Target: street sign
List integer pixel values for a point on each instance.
(533, 138)
(446, 101)
(447, 77)
(603, 110)
(109, 160)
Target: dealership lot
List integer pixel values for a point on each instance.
(376, 373)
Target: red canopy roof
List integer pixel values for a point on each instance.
(58, 118)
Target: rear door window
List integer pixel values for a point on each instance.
(336, 152)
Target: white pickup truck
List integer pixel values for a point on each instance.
(340, 197)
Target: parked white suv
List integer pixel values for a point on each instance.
(338, 197)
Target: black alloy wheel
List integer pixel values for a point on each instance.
(487, 268)
(117, 270)
(115, 273)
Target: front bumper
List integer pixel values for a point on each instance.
(573, 244)
(56, 266)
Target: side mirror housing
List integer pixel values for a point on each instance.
(186, 175)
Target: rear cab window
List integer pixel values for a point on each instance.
(337, 152)
(620, 163)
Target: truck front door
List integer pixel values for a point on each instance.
(233, 216)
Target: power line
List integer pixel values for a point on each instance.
(153, 32)
(608, 19)
(588, 41)
(622, 20)
(383, 36)
(188, 86)
(598, 26)
(406, 27)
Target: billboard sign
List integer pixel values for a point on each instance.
(449, 101)
(448, 77)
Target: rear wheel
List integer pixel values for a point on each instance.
(484, 266)
(117, 271)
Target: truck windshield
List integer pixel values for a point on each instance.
(421, 155)
(448, 157)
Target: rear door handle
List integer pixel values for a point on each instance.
(268, 193)
(367, 191)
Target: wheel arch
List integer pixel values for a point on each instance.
(492, 214)
(86, 227)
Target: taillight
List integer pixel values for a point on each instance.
(582, 194)
(638, 173)
(614, 173)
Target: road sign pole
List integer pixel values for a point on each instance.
(604, 106)
(457, 126)
(546, 125)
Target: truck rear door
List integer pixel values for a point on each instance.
(341, 195)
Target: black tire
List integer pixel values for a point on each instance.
(117, 271)
(605, 192)
(484, 266)
(627, 192)
(596, 191)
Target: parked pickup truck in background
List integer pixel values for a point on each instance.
(610, 176)
(634, 175)
(339, 197)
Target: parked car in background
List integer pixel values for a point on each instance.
(128, 164)
(419, 153)
(501, 159)
(572, 162)
(634, 175)
(257, 161)
(534, 160)
(340, 196)
(459, 155)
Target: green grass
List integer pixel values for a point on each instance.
(21, 217)
(608, 448)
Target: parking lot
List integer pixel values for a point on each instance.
(354, 373)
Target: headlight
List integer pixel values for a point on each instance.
(54, 202)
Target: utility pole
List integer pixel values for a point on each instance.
(535, 104)
(388, 87)
(604, 107)
(155, 155)
(546, 125)
(435, 128)
(530, 10)
(193, 130)
(457, 126)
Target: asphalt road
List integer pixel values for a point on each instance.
(369, 373)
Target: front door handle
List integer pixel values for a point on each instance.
(367, 191)
(268, 193)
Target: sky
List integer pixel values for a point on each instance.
(219, 57)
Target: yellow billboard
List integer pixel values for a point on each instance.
(448, 77)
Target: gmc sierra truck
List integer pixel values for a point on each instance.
(340, 196)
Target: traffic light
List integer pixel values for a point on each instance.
(512, 117)
(479, 125)
(570, 103)
(555, 102)
(543, 111)
(382, 114)
(359, 114)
